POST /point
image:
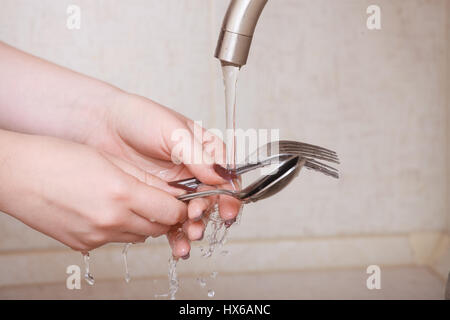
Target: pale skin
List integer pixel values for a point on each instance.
(88, 164)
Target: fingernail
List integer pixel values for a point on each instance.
(228, 223)
(186, 256)
(224, 173)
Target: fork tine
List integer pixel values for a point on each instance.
(284, 144)
(301, 148)
(297, 143)
(294, 146)
(308, 149)
(315, 167)
(307, 145)
(310, 154)
(321, 164)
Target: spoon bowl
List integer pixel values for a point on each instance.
(264, 187)
(276, 181)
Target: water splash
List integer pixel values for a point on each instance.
(239, 215)
(125, 261)
(217, 236)
(173, 278)
(87, 275)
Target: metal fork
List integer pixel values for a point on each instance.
(308, 151)
(278, 149)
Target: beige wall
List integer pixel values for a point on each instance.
(380, 98)
(448, 114)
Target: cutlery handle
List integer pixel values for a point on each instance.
(201, 194)
(191, 184)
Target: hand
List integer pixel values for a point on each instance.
(140, 131)
(80, 196)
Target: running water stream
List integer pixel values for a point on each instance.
(125, 262)
(230, 77)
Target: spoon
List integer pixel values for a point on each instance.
(263, 188)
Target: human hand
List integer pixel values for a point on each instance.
(140, 131)
(80, 196)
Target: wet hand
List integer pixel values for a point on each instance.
(80, 196)
(142, 132)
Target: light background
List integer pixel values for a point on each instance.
(381, 99)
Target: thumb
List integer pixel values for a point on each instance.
(199, 150)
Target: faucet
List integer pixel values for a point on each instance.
(237, 31)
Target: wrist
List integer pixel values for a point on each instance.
(90, 112)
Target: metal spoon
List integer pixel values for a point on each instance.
(263, 188)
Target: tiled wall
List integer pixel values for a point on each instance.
(380, 98)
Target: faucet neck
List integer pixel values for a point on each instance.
(237, 31)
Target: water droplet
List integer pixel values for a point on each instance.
(211, 293)
(87, 275)
(213, 274)
(89, 279)
(201, 282)
(224, 252)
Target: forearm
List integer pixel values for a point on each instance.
(11, 146)
(39, 97)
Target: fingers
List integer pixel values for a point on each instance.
(191, 153)
(229, 207)
(156, 205)
(144, 176)
(129, 238)
(199, 206)
(138, 225)
(198, 150)
(194, 230)
(179, 243)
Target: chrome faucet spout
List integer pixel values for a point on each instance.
(237, 31)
